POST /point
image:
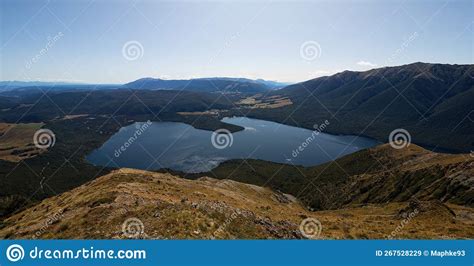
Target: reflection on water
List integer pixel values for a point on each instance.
(181, 147)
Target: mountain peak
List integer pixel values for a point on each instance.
(233, 85)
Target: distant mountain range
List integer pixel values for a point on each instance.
(14, 84)
(207, 85)
(216, 84)
(434, 102)
(18, 86)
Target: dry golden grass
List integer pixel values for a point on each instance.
(69, 117)
(414, 157)
(16, 141)
(171, 207)
(260, 102)
(386, 222)
(168, 206)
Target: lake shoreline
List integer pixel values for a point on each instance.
(183, 147)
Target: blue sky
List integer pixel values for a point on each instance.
(87, 41)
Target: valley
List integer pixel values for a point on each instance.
(357, 190)
(372, 176)
(432, 101)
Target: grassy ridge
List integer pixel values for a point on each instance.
(169, 207)
(378, 175)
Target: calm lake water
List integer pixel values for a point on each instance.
(181, 147)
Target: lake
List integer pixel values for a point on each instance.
(181, 147)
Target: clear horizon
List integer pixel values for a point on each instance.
(95, 42)
(109, 83)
